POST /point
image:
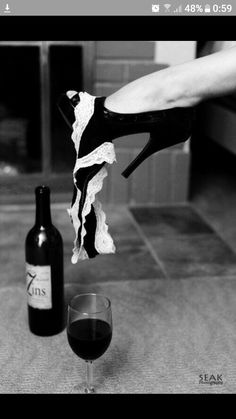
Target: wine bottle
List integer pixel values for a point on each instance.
(44, 270)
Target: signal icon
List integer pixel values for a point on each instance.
(178, 9)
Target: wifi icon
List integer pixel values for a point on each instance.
(167, 7)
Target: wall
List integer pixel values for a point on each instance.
(175, 52)
(218, 118)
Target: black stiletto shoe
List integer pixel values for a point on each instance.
(166, 127)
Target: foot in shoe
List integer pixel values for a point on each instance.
(94, 127)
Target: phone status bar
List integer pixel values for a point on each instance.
(192, 9)
(115, 8)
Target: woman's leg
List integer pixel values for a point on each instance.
(181, 85)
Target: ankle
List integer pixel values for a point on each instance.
(121, 103)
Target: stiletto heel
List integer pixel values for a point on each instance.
(143, 155)
(156, 144)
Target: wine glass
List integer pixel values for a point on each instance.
(89, 329)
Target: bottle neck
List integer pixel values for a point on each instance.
(43, 211)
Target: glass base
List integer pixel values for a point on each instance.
(82, 388)
(89, 390)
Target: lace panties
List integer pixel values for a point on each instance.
(86, 214)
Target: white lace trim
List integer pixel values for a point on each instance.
(104, 153)
(103, 240)
(83, 112)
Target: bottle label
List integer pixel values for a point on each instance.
(38, 286)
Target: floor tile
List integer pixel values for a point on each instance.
(120, 222)
(118, 219)
(194, 256)
(169, 221)
(12, 262)
(132, 260)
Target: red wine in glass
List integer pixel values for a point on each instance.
(89, 338)
(89, 329)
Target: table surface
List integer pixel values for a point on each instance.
(165, 334)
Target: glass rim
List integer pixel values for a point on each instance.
(89, 294)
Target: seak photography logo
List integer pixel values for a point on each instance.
(210, 379)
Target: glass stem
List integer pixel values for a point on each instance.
(89, 371)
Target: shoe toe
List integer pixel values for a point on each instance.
(71, 93)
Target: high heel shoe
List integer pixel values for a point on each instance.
(94, 127)
(166, 127)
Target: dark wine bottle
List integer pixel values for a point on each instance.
(44, 270)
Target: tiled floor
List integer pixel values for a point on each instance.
(151, 242)
(184, 243)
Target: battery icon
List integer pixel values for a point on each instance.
(207, 8)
